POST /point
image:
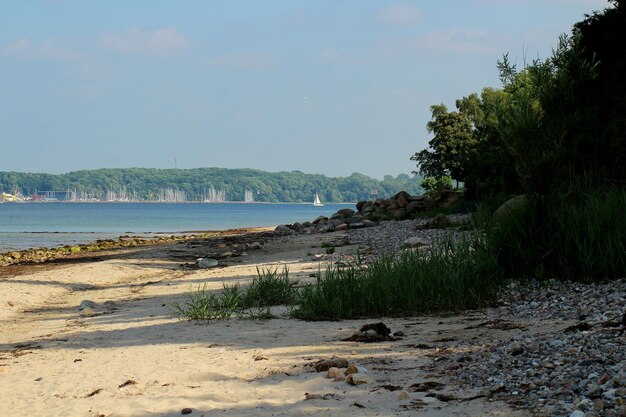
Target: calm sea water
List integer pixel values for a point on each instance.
(31, 225)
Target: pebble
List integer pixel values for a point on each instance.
(573, 373)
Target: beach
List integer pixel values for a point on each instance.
(96, 335)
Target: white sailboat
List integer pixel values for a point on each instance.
(317, 202)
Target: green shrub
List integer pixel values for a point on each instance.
(580, 236)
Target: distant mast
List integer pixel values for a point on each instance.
(316, 201)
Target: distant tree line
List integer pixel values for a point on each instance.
(146, 183)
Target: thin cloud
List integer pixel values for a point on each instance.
(456, 41)
(404, 14)
(138, 40)
(243, 60)
(47, 49)
(334, 56)
(462, 41)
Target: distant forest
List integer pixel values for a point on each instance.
(197, 184)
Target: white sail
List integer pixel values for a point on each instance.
(317, 201)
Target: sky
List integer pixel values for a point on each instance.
(321, 86)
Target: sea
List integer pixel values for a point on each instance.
(35, 225)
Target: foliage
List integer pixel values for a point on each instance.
(448, 149)
(268, 187)
(432, 185)
(446, 276)
(269, 288)
(580, 236)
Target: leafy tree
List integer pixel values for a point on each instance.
(449, 148)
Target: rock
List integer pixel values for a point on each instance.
(85, 304)
(334, 362)
(368, 223)
(358, 379)
(577, 413)
(412, 207)
(282, 228)
(226, 254)
(415, 198)
(327, 396)
(510, 206)
(403, 396)
(361, 204)
(346, 212)
(416, 242)
(397, 213)
(320, 219)
(438, 222)
(334, 372)
(186, 411)
(15, 255)
(358, 225)
(204, 263)
(342, 226)
(351, 370)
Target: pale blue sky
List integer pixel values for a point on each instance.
(322, 86)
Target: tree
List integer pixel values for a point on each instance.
(449, 148)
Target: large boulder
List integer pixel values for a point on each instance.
(402, 198)
(512, 205)
(320, 219)
(346, 212)
(283, 228)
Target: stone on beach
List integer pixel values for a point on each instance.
(204, 263)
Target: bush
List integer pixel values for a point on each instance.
(579, 236)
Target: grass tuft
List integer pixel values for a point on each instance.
(446, 276)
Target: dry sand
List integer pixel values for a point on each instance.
(130, 356)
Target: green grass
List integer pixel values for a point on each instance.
(268, 288)
(578, 236)
(448, 276)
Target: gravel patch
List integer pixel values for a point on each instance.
(577, 370)
(389, 236)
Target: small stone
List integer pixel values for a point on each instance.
(334, 362)
(351, 370)
(185, 411)
(403, 395)
(358, 379)
(577, 413)
(86, 304)
(203, 263)
(333, 372)
(598, 404)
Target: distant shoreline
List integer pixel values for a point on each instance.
(169, 202)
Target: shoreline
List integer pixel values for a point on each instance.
(99, 333)
(50, 253)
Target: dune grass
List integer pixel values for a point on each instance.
(268, 288)
(447, 276)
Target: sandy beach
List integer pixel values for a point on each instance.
(127, 354)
